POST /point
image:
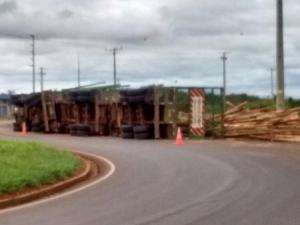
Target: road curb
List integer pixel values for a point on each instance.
(105, 168)
(49, 189)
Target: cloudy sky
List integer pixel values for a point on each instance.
(163, 41)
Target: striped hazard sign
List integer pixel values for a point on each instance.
(197, 98)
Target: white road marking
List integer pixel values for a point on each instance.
(112, 169)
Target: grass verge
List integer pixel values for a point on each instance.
(29, 164)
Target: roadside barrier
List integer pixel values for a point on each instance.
(179, 137)
(24, 129)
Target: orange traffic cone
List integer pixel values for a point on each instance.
(179, 137)
(24, 129)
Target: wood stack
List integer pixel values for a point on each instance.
(262, 124)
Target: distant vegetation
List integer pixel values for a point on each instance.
(255, 102)
(214, 102)
(214, 107)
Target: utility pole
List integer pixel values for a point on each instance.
(44, 104)
(115, 67)
(115, 51)
(224, 59)
(42, 74)
(280, 102)
(78, 72)
(33, 62)
(272, 83)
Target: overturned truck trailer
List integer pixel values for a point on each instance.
(143, 113)
(38, 111)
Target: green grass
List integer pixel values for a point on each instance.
(255, 102)
(29, 164)
(214, 102)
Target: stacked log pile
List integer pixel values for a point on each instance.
(262, 124)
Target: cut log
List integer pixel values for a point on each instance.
(264, 124)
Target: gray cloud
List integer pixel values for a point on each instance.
(7, 7)
(66, 14)
(162, 41)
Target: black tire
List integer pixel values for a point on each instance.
(63, 129)
(79, 127)
(84, 94)
(75, 94)
(73, 132)
(37, 129)
(72, 127)
(128, 135)
(141, 129)
(81, 133)
(137, 92)
(142, 136)
(127, 129)
(36, 123)
(124, 99)
(82, 99)
(83, 127)
(136, 99)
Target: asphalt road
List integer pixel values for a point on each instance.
(157, 183)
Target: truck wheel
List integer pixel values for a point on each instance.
(83, 127)
(81, 133)
(136, 99)
(37, 129)
(127, 128)
(137, 92)
(142, 136)
(73, 132)
(82, 99)
(128, 135)
(141, 129)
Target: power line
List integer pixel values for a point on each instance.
(280, 102)
(33, 62)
